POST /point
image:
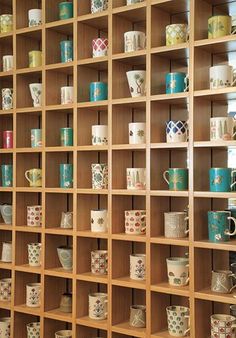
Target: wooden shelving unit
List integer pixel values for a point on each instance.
(198, 105)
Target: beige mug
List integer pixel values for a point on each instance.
(5, 290)
(138, 267)
(98, 306)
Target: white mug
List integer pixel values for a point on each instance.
(176, 224)
(7, 98)
(178, 271)
(222, 76)
(99, 135)
(34, 254)
(99, 220)
(36, 93)
(5, 327)
(6, 252)
(222, 128)
(33, 330)
(7, 63)
(134, 40)
(35, 17)
(98, 306)
(137, 133)
(67, 220)
(136, 178)
(138, 266)
(137, 82)
(33, 295)
(67, 95)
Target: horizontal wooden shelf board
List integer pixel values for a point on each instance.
(97, 324)
(92, 191)
(170, 145)
(29, 269)
(215, 144)
(28, 30)
(211, 194)
(172, 7)
(25, 228)
(98, 20)
(60, 107)
(28, 189)
(129, 192)
(169, 193)
(60, 190)
(58, 315)
(58, 272)
(209, 295)
(59, 149)
(29, 150)
(92, 148)
(59, 231)
(94, 62)
(84, 233)
(223, 94)
(6, 112)
(129, 147)
(126, 281)
(97, 105)
(7, 227)
(132, 102)
(5, 305)
(35, 311)
(61, 25)
(6, 74)
(32, 110)
(165, 287)
(65, 67)
(6, 189)
(174, 52)
(162, 334)
(126, 237)
(6, 151)
(228, 246)
(218, 45)
(170, 241)
(135, 12)
(6, 266)
(131, 58)
(178, 98)
(6, 35)
(28, 70)
(91, 277)
(126, 328)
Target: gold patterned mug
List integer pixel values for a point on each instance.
(35, 58)
(34, 176)
(219, 26)
(176, 33)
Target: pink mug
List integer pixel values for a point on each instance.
(100, 47)
(7, 139)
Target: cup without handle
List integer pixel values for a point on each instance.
(227, 232)
(26, 176)
(164, 176)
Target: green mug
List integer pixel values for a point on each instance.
(178, 178)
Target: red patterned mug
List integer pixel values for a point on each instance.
(100, 47)
(34, 216)
(135, 222)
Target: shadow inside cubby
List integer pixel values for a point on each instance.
(96, 116)
(53, 161)
(21, 247)
(87, 75)
(24, 162)
(52, 242)
(21, 280)
(24, 199)
(160, 205)
(20, 323)
(61, 119)
(89, 332)
(84, 169)
(22, 9)
(176, 158)
(24, 44)
(6, 123)
(56, 204)
(122, 115)
(57, 34)
(51, 326)
(24, 123)
(86, 203)
(52, 11)
(6, 48)
(6, 7)
(23, 97)
(120, 204)
(123, 159)
(159, 303)
(84, 248)
(55, 80)
(7, 82)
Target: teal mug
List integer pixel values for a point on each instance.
(66, 175)
(36, 138)
(66, 136)
(65, 10)
(7, 176)
(219, 226)
(222, 179)
(178, 178)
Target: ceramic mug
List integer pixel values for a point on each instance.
(132, 2)
(7, 175)
(233, 310)
(219, 226)
(137, 133)
(176, 33)
(34, 254)
(176, 131)
(98, 91)
(65, 255)
(67, 220)
(100, 47)
(219, 26)
(6, 213)
(7, 139)
(222, 128)
(67, 95)
(63, 334)
(99, 220)
(36, 93)
(34, 216)
(222, 281)
(35, 17)
(66, 303)
(99, 176)
(136, 178)
(178, 179)
(65, 10)
(138, 266)
(7, 98)
(33, 330)
(66, 51)
(33, 295)
(5, 290)
(66, 137)
(6, 252)
(222, 76)
(34, 177)
(36, 138)
(178, 271)
(99, 6)
(135, 222)
(134, 41)
(99, 135)
(223, 324)
(178, 320)
(99, 262)
(137, 316)
(221, 179)
(176, 224)
(137, 82)
(7, 62)
(66, 175)
(35, 58)
(5, 327)
(176, 83)
(98, 306)
(6, 23)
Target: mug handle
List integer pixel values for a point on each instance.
(164, 176)
(186, 219)
(186, 82)
(26, 176)
(188, 330)
(234, 126)
(227, 232)
(234, 276)
(233, 31)
(106, 313)
(233, 184)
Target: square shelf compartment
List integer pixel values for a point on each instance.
(53, 161)
(52, 12)
(20, 323)
(23, 97)
(25, 122)
(55, 80)
(6, 123)
(6, 48)
(24, 162)
(22, 12)
(56, 204)
(89, 332)
(25, 43)
(22, 241)
(21, 280)
(52, 325)
(24, 199)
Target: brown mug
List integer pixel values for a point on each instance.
(138, 316)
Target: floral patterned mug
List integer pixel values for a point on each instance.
(98, 306)
(138, 266)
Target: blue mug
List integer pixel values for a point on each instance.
(222, 179)
(66, 51)
(219, 226)
(176, 131)
(176, 83)
(98, 91)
